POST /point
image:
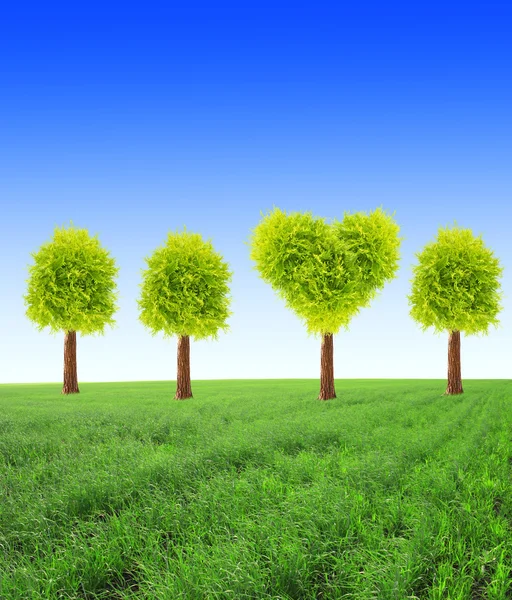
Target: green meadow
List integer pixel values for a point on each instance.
(255, 489)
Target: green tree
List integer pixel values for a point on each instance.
(326, 273)
(184, 293)
(456, 288)
(71, 288)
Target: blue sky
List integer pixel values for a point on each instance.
(133, 125)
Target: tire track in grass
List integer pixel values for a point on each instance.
(393, 582)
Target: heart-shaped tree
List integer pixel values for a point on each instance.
(326, 273)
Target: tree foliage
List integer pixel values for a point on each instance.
(185, 288)
(456, 284)
(71, 284)
(326, 273)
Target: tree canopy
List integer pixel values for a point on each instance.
(71, 285)
(456, 284)
(185, 288)
(326, 273)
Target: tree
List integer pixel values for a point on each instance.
(71, 288)
(184, 293)
(456, 288)
(326, 273)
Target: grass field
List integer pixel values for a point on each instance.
(255, 489)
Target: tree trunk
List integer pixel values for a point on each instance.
(327, 369)
(454, 371)
(70, 371)
(183, 388)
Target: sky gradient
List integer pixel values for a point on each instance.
(135, 125)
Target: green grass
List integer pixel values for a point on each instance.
(255, 489)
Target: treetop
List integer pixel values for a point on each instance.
(71, 284)
(325, 272)
(185, 288)
(455, 284)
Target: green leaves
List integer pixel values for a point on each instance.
(326, 273)
(184, 290)
(71, 284)
(456, 284)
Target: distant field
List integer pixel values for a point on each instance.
(255, 489)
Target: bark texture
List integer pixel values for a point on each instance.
(70, 370)
(454, 370)
(183, 388)
(327, 391)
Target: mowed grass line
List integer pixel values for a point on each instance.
(254, 489)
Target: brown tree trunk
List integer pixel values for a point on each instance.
(454, 371)
(183, 388)
(70, 372)
(327, 369)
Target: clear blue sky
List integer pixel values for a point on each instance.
(133, 124)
